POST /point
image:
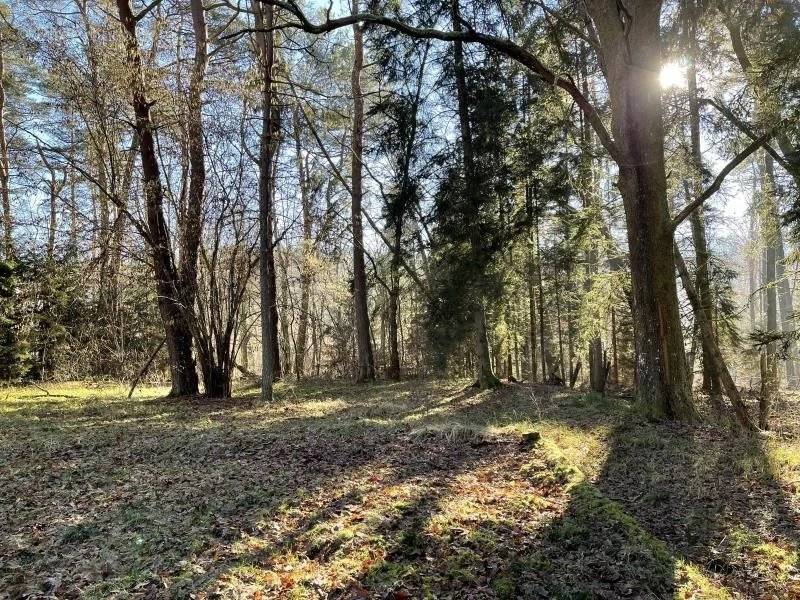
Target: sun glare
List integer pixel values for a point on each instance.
(673, 74)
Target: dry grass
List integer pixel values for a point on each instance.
(410, 490)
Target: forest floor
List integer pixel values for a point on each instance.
(420, 489)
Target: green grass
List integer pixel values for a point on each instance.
(416, 489)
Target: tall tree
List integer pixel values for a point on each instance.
(485, 375)
(5, 174)
(265, 43)
(711, 378)
(168, 284)
(306, 269)
(366, 362)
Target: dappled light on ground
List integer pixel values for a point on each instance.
(418, 489)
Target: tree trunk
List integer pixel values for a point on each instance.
(285, 325)
(631, 52)
(306, 251)
(264, 18)
(192, 222)
(532, 318)
(711, 378)
(751, 271)
(770, 384)
(5, 174)
(714, 355)
(614, 344)
(597, 370)
(541, 299)
(785, 303)
(217, 381)
(486, 378)
(177, 332)
(393, 370)
(366, 363)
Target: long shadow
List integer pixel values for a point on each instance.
(712, 496)
(164, 500)
(696, 510)
(124, 493)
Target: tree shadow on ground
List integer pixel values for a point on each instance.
(151, 495)
(672, 511)
(395, 490)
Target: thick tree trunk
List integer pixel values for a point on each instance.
(217, 381)
(177, 332)
(597, 367)
(486, 378)
(192, 225)
(366, 363)
(631, 52)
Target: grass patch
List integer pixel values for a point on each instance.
(421, 489)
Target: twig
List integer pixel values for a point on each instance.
(146, 366)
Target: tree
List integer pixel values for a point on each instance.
(638, 149)
(366, 362)
(265, 42)
(169, 285)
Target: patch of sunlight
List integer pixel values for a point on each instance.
(448, 404)
(776, 561)
(586, 449)
(785, 460)
(72, 390)
(317, 408)
(249, 544)
(692, 583)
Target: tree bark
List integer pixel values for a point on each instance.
(177, 331)
(486, 377)
(192, 222)
(540, 285)
(770, 385)
(264, 19)
(366, 363)
(785, 304)
(393, 370)
(305, 250)
(711, 378)
(631, 53)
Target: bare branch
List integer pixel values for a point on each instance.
(717, 183)
(502, 45)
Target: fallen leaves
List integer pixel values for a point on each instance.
(386, 491)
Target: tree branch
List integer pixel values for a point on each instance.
(745, 128)
(502, 45)
(717, 183)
